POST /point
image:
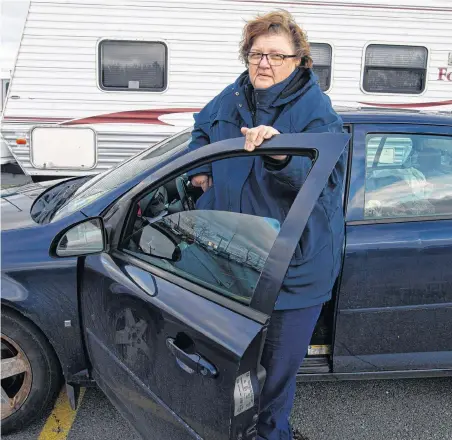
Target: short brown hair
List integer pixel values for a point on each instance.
(276, 22)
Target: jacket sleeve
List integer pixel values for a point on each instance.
(292, 175)
(200, 137)
(322, 119)
(332, 124)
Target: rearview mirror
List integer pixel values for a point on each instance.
(85, 238)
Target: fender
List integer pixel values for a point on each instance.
(32, 295)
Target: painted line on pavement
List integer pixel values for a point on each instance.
(61, 418)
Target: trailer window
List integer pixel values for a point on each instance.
(5, 85)
(321, 54)
(395, 69)
(133, 65)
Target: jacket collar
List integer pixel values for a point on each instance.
(264, 98)
(298, 84)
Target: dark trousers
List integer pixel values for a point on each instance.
(287, 342)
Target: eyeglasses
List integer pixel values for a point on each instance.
(274, 59)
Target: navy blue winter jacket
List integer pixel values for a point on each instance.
(260, 186)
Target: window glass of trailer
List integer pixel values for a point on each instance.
(321, 54)
(133, 65)
(395, 69)
(5, 85)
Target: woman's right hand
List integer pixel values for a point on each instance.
(202, 181)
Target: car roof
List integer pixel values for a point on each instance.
(373, 115)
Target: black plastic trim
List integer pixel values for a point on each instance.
(427, 218)
(404, 374)
(398, 308)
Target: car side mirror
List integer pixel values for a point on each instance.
(158, 244)
(85, 238)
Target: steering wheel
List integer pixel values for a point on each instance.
(182, 190)
(154, 203)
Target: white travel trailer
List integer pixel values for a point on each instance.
(98, 80)
(5, 154)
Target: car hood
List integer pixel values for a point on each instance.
(16, 202)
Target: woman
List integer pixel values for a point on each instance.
(278, 93)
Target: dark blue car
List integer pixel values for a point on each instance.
(117, 280)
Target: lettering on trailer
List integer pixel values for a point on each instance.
(444, 74)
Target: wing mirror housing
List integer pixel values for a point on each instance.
(87, 237)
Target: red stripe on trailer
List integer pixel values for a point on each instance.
(132, 117)
(408, 105)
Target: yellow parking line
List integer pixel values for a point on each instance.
(62, 417)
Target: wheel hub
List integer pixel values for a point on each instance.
(16, 377)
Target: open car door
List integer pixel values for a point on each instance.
(177, 359)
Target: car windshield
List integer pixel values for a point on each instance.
(126, 171)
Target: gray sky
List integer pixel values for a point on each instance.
(12, 19)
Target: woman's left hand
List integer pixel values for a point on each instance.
(256, 135)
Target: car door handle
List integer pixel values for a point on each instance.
(191, 362)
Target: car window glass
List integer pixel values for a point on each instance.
(209, 245)
(222, 250)
(111, 179)
(408, 176)
(382, 151)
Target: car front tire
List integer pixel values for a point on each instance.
(31, 374)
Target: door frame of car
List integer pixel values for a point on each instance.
(324, 149)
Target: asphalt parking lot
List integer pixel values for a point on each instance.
(356, 410)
